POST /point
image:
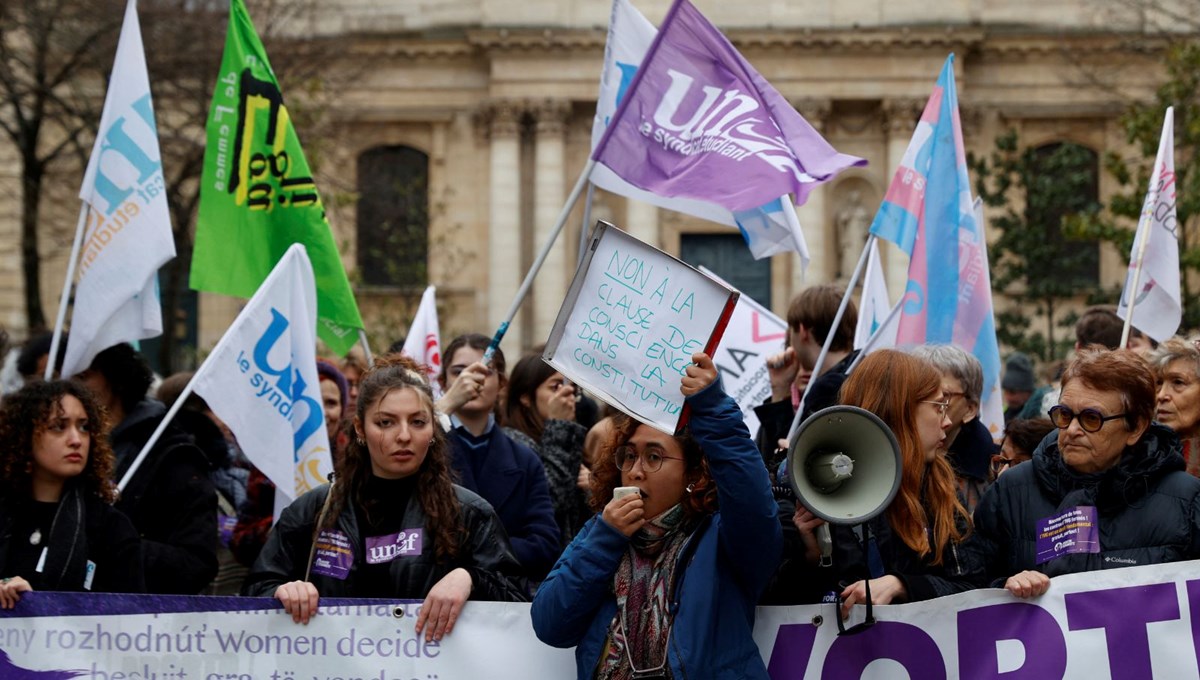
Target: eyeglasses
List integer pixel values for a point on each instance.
(1090, 419)
(625, 456)
(1000, 462)
(941, 405)
(951, 396)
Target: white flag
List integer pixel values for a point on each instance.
(768, 230)
(1157, 304)
(128, 233)
(424, 341)
(261, 379)
(874, 305)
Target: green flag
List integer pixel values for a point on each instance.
(257, 195)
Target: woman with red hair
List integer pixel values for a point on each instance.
(913, 551)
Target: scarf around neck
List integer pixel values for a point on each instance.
(639, 632)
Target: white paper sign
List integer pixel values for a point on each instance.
(632, 319)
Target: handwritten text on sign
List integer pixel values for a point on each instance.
(633, 324)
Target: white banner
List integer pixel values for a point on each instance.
(1126, 624)
(261, 379)
(128, 232)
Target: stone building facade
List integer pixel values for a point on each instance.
(485, 106)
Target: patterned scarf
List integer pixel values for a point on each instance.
(643, 585)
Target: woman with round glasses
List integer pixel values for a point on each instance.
(1108, 491)
(664, 581)
(1177, 364)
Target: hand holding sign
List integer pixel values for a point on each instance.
(699, 375)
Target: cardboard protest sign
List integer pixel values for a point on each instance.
(631, 321)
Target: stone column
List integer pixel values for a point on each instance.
(505, 268)
(814, 222)
(641, 221)
(900, 118)
(550, 286)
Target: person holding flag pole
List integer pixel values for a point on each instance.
(124, 216)
(1154, 304)
(750, 132)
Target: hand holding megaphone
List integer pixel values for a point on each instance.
(809, 525)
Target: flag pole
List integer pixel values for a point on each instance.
(874, 339)
(362, 338)
(154, 437)
(837, 319)
(523, 291)
(587, 220)
(84, 209)
(1137, 277)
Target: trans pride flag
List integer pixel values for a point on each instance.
(929, 213)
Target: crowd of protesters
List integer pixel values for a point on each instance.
(518, 487)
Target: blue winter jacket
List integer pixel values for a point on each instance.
(721, 572)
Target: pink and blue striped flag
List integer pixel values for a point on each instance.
(929, 213)
(699, 122)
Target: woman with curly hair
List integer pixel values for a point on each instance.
(392, 524)
(58, 529)
(664, 581)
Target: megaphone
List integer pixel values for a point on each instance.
(844, 465)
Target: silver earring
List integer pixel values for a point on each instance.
(690, 487)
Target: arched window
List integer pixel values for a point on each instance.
(1070, 179)
(393, 216)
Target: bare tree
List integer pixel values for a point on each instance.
(52, 64)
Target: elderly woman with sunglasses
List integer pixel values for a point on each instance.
(1109, 491)
(662, 583)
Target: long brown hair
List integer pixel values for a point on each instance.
(605, 476)
(527, 376)
(26, 414)
(435, 487)
(891, 385)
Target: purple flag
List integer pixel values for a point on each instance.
(700, 122)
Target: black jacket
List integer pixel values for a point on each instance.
(970, 454)
(1148, 509)
(561, 452)
(960, 569)
(171, 502)
(107, 539)
(483, 551)
(512, 480)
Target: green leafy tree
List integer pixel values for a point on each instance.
(1142, 124)
(1035, 262)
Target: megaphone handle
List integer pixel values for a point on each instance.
(825, 543)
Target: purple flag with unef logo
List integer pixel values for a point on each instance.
(700, 122)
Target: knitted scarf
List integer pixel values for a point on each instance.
(643, 585)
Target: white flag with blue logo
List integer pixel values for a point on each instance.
(128, 232)
(261, 379)
(768, 230)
